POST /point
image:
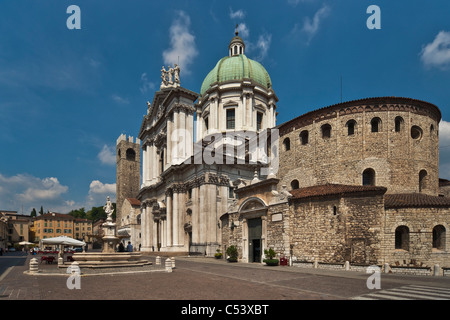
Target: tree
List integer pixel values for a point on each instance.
(41, 212)
(78, 213)
(33, 213)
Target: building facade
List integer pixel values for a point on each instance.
(357, 181)
(14, 228)
(53, 224)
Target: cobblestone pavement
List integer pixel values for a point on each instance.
(200, 279)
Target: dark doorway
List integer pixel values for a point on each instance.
(256, 250)
(254, 239)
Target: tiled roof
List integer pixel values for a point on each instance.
(55, 215)
(333, 189)
(417, 200)
(134, 201)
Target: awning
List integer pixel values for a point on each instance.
(63, 240)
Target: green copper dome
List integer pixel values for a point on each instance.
(237, 67)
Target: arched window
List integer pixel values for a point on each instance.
(431, 129)
(416, 132)
(398, 124)
(439, 237)
(304, 135)
(402, 238)
(287, 144)
(368, 177)
(375, 124)
(131, 154)
(295, 184)
(326, 131)
(351, 125)
(422, 180)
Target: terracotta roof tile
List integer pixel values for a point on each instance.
(333, 189)
(417, 200)
(134, 201)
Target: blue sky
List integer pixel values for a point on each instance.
(66, 95)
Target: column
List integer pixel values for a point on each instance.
(213, 115)
(169, 218)
(155, 234)
(244, 110)
(199, 125)
(163, 234)
(190, 137)
(175, 205)
(204, 206)
(169, 140)
(143, 230)
(155, 164)
(251, 118)
(176, 142)
(144, 162)
(195, 215)
(212, 214)
(149, 226)
(151, 160)
(182, 124)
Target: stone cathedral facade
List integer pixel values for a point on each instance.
(357, 181)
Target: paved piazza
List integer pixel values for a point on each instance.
(197, 282)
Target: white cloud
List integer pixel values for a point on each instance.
(107, 155)
(98, 191)
(444, 133)
(97, 187)
(263, 45)
(243, 30)
(311, 26)
(146, 85)
(239, 14)
(27, 192)
(45, 189)
(118, 99)
(182, 49)
(444, 149)
(296, 2)
(437, 53)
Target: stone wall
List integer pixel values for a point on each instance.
(420, 222)
(396, 157)
(337, 229)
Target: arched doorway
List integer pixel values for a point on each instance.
(253, 212)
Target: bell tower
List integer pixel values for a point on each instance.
(128, 175)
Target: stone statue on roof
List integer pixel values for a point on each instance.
(164, 74)
(177, 73)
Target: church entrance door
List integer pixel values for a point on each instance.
(254, 239)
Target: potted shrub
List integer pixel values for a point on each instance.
(270, 257)
(232, 253)
(218, 254)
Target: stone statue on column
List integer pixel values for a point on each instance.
(109, 209)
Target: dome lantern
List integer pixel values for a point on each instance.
(237, 45)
